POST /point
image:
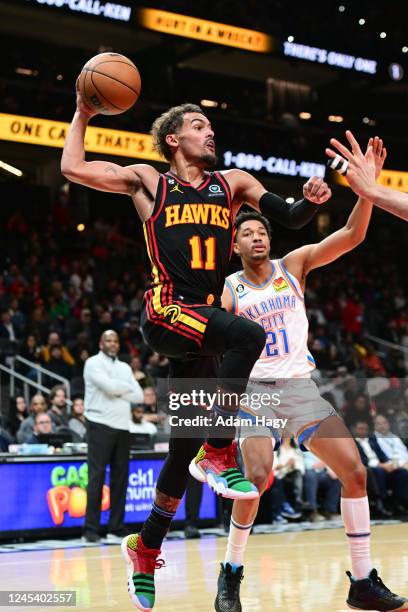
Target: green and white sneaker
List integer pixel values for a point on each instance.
(141, 564)
(219, 469)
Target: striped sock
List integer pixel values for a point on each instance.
(237, 541)
(356, 517)
(156, 526)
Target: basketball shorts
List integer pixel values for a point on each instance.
(289, 407)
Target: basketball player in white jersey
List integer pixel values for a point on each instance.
(270, 292)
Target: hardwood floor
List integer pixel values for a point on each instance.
(290, 571)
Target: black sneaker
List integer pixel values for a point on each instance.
(372, 594)
(91, 537)
(229, 582)
(191, 532)
(118, 533)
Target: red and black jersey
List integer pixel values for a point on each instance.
(189, 239)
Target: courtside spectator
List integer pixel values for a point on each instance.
(319, 479)
(58, 411)
(388, 476)
(139, 423)
(390, 443)
(38, 404)
(42, 425)
(77, 421)
(17, 414)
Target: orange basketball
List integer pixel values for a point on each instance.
(110, 83)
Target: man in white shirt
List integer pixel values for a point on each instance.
(110, 388)
(139, 423)
(391, 444)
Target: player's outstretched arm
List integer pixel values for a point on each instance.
(246, 188)
(311, 256)
(101, 175)
(394, 202)
(361, 179)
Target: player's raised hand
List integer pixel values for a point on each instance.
(379, 152)
(316, 190)
(82, 107)
(358, 169)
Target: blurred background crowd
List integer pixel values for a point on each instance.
(60, 288)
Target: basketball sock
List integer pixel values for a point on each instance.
(156, 526)
(356, 518)
(237, 541)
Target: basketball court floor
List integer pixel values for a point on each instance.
(286, 571)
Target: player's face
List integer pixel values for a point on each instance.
(109, 344)
(252, 241)
(196, 140)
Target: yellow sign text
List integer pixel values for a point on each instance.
(31, 130)
(201, 29)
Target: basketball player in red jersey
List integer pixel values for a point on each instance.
(188, 224)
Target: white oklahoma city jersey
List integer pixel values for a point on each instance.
(278, 306)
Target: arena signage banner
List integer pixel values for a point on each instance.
(331, 58)
(99, 8)
(32, 130)
(389, 178)
(273, 165)
(208, 31)
(44, 494)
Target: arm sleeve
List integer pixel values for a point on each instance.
(111, 386)
(135, 393)
(292, 216)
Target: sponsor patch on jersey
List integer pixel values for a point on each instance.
(215, 190)
(280, 284)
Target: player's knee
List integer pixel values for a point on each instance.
(258, 337)
(259, 476)
(355, 479)
(247, 334)
(253, 337)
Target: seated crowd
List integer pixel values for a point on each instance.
(54, 308)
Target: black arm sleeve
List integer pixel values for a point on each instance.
(292, 216)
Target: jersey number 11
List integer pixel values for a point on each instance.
(197, 262)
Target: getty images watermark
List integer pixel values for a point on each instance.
(200, 408)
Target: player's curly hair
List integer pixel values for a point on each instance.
(169, 123)
(251, 216)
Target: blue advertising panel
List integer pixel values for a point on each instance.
(41, 495)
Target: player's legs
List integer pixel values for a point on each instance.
(334, 445)
(141, 550)
(240, 342)
(257, 454)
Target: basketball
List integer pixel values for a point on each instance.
(110, 83)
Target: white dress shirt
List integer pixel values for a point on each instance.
(110, 388)
(145, 427)
(393, 447)
(373, 460)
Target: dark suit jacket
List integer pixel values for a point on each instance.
(372, 440)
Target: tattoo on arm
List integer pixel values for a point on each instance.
(112, 169)
(166, 502)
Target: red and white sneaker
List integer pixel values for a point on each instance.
(219, 469)
(141, 564)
